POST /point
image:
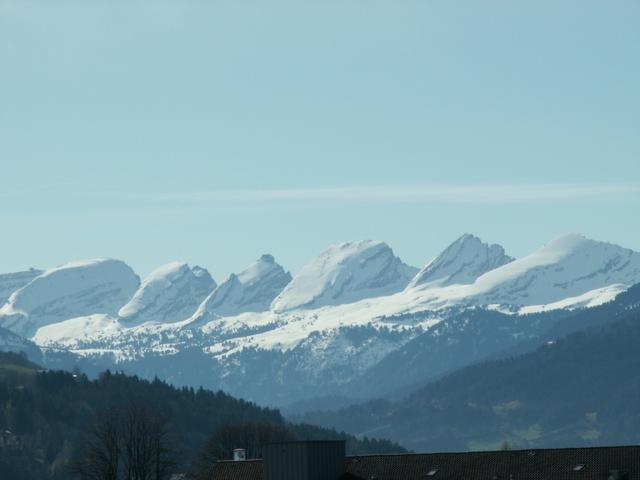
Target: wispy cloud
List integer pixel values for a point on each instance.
(410, 193)
(255, 197)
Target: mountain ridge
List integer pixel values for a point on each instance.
(344, 273)
(77, 288)
(169, 293)
(462, 262)
(344, 331)
(251, 290)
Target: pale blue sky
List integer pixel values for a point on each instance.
(213, 132)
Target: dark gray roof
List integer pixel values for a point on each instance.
(541, 464)
(228, 470)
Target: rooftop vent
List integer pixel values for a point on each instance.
(239, 455)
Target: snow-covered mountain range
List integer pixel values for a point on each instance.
(276, 338)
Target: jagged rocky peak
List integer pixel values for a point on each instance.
(170, 293)
(10, 282)
(74, 289)
(568, 266)
(345, 273)
(462, 262)
(251, 290)
(203, 274)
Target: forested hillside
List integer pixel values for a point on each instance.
(582, 389)
(45, 416)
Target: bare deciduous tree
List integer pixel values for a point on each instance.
(126, 444)
(100, 458)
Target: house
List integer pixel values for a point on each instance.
(327, 461)
(9, 441)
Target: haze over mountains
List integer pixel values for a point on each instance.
(578, 385)
(354, 323)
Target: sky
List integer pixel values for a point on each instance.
(215, 131)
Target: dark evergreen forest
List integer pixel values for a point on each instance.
(46, 418)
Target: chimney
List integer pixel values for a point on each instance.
(239, 455)
(312, 460)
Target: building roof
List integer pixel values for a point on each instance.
(230, 470)
(540, 464)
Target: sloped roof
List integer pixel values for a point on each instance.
(229, 470)
(540, 464)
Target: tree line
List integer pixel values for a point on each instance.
(63, 424)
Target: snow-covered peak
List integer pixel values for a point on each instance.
(566, 244)
(568, 266)
(345, 273)
(10, 282)
(170, 293)
(251, 290)
(462, 262)
(256, 271)
(74, 289)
